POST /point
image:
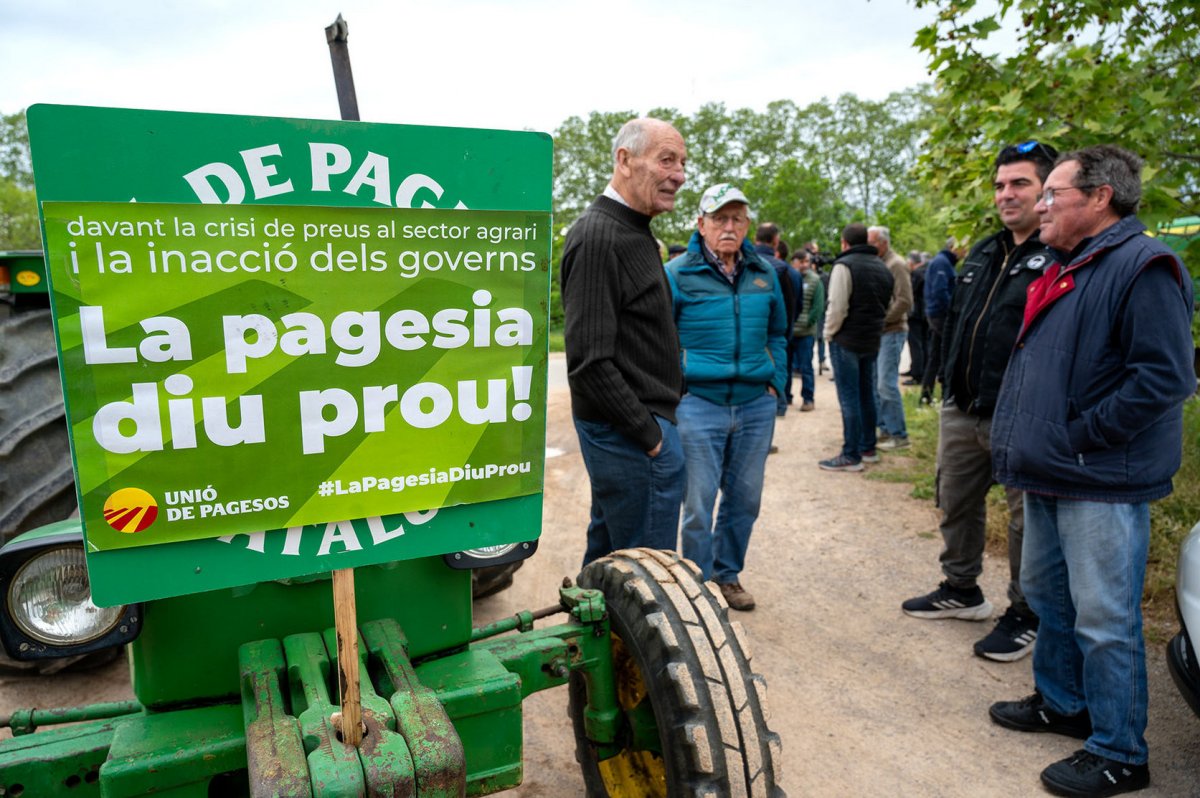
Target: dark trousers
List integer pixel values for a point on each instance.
(791, 360)
(918, 343)
(964, 476)
(933, 357)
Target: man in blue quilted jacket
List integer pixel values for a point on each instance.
(733, 326)
(1089, 424)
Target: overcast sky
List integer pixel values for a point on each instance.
(504, 64)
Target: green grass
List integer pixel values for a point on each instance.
(918, 463)
(556, 341)
(1170, 519)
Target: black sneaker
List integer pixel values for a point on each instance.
(1031, 714)
(841, 463)
(1093, 776)
(1011, 639)
(950, 602)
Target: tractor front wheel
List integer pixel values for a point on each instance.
(676, 653)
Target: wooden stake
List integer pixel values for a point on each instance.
(345, 621)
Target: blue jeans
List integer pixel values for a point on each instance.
(802, 361)
(854, 376)
(635, 497)
(890, 406)
(725, 448)
(1082, 570)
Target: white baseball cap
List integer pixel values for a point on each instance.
(720, 195)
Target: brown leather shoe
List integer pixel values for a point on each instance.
(736, 596)
(807, 406)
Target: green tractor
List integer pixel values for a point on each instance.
(236, 689)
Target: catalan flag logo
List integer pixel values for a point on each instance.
(130, 510)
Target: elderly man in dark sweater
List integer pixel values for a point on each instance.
(622, 348)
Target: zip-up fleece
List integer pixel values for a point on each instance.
(1091, 406)
(985, 316)
(733, 336)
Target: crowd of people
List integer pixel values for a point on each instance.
(1062, 345)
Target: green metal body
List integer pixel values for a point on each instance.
(1178, 234)
(252, 706)
(23, 272)
(169, 668)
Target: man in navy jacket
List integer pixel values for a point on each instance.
(939, 290)
(766, 244)
(1089, 423)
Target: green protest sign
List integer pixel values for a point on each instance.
(240, 360)
(172, 569)
(337, 362)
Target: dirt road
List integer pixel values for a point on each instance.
(868, 701)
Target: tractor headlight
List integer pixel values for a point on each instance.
(491, 552)
(48, 610)
(50, 599)
(487, 556)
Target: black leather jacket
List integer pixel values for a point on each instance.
(985, 317)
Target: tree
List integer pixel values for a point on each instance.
(19, 227)
(858, 151)
(912, 220)
(1084, 72)
(799, 200)
(15, 164)
(810, 170)
(867, 146)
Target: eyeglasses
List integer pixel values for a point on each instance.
(1026, 147)
(720, 219)
(1048, 195)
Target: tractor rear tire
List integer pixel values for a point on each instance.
(675, 647)
(37, 485)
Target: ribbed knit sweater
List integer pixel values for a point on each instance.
(622, 348)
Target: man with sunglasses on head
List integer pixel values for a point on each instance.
(984, 318)
(1089, 423)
